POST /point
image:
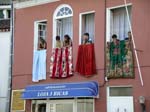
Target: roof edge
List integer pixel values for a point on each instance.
(31, 3)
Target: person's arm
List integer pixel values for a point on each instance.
(45, 45)
(70, 43)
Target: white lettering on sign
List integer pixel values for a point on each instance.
(55, 93)
(42, 94)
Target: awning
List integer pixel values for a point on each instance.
(62, 90)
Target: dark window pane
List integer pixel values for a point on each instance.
(42, 107)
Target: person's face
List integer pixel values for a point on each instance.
(127, 42)
(85, 37)
(65, 38)
(114, 39)
(129, 34)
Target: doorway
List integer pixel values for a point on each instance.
(119, 99)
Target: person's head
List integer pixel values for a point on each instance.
(42, 43)
(41, 40)
(86, 36)
(129, 35)
(114, 37)
(57, 38)
(66, 38)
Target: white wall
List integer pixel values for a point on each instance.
(4, 68)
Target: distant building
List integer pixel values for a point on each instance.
(5, 54)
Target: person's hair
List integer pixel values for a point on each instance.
(126, 38)
(43, 43)
(67, 37)
(42, 40)
(114, 36)
(57, 37)
(86, 34)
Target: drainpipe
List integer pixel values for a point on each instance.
(134, 46)
(105, 78)
(11, 55)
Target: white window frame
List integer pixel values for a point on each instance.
(93, 100)
(31, 3)
(5, 12)
(80, 24)
(108, 20)
(5, 7)
(55, 18)
(36, 23)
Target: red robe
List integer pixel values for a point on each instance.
(61, 63)
(86, 60)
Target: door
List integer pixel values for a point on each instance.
(120, 104)
(39, 106)
(119, 99)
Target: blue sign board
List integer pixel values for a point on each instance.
(62, 90)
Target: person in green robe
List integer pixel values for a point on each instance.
(115, 52)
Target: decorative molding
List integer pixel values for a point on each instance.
(5, 7)
(119, 6)
(31, 3)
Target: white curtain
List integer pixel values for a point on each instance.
(64, 26)
(67, 26)
(59, 28)
(89, 25)
(120, 22)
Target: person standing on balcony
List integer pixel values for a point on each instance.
(86, 39)
(67, 41)
(58, 42)
(42, 44)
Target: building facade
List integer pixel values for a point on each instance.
(5, 57)
(117, 91)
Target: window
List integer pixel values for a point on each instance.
(117, 22)
(64, 11)
(40, 32)
(120, 91)
(87, 25)
(1, 14)
(85, 105)
(5, 13)
(64, 107)
(38, 106)
(42, 107)
(119, 54)
(62, 22)
(64, 26)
